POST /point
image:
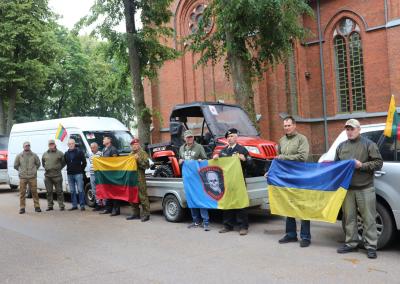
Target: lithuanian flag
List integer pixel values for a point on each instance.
(61, 133)
(215, 184)
(308, 191)
(392, 128)
(116, 178)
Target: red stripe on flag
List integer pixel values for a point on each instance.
(120, 192)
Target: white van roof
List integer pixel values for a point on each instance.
(85, 123)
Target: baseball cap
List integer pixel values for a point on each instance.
(353, 123)
(188, 133)
(51, 141)
(135, 141)
(27, 143)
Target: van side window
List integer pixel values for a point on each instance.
(374, 136)
(78, 142)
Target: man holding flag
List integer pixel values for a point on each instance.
(361, 194)
(294, 146)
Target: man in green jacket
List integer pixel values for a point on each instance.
(27, 163)
(142, 161)
(53, 161)
(361, 195)
(294, 146)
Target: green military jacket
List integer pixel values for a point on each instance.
(27, 164)
(53, 162)
(293, 147)
(194, 152)
(142, 164)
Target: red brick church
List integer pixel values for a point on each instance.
(351, 62)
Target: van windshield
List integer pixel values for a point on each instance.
(120, 139)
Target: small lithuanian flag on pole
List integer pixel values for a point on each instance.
(61, 133)
(392, 128)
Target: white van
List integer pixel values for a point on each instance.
(84, 130)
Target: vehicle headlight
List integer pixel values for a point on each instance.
(253, 149)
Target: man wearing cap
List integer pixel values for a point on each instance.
(238, 215)
(109, 150)
(142, 161)
(194, 151)
(27, 163)
(294, 146)
(361, 194)
(53, 161)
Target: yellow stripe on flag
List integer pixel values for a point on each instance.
(306, 204)
(389, 120)
(121, 163)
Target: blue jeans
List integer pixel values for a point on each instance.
(291, 230)
(198, 214)
(75, 183)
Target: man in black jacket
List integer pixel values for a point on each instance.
(232, 215)
(112, 205)
(76, 164)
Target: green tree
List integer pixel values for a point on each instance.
(145, 52)
(250, 36)
(26, 52)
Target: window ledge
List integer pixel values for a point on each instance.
(341, 116)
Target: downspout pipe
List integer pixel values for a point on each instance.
(323, 83)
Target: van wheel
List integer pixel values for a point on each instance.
(13, 187)
(173, 211)
(163, 171)
(28, 193)
(90, 195)
(384, 225)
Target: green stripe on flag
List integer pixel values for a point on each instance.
(129, 178)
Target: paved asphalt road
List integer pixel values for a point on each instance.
(85, 247)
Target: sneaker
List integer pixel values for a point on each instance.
(305, 243)
(38, 210)
(73, 208)
(22, 211)
(371, 253)
(133, 217)
(286, 239)
(193, 225)
(243, 232)
(83, 209)
(49, 209)
(206, 227)
(115, 213)
(224, 230)
(145, 218)
(105, 212)
(346, 248)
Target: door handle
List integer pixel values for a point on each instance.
(379, 173)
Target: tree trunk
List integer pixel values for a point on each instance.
(2, 116)
(143, 114)
(12, 97)
(241, 79)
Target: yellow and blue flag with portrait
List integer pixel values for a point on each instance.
(308, 191)
(215, 184)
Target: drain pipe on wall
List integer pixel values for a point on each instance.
(323, 84)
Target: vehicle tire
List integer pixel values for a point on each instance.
(90, 195)
(13, 187)
(173, 211)
(384, 224)
(28, 193)
(163, 171)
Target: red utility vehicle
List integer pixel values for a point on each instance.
(209, 121)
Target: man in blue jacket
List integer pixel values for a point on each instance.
(76, 164)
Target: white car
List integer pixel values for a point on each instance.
(387, 181)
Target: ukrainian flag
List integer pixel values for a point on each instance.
(215, 184)
(308, 191)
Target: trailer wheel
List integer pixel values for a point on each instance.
(173, 212)
(90, 196)
(163, 171)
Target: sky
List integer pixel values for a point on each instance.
(71, 11)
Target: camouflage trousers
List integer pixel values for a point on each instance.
(54, 183)
(143, 200)
(23, 183)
